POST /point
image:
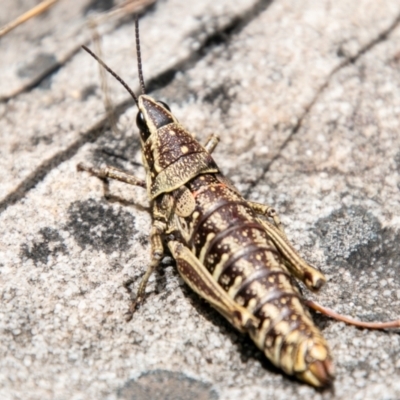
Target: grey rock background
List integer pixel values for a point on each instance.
(306, 98)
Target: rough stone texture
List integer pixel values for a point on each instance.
(306, 98)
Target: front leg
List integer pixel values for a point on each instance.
(211, 143)
(112, 173)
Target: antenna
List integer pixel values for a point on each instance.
(139, 56)
(117, 77)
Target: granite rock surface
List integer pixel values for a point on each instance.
(305, 96)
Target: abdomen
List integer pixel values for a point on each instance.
(228, 239)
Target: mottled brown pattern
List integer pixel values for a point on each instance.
(182, 170)
(173, 142)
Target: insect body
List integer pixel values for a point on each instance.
(225, 251)
(225, 247)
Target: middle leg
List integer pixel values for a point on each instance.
(157, 252)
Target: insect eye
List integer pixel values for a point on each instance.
(164, 105)
(141, 124)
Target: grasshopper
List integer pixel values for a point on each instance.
(231, 251)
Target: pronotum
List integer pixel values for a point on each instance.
(231, 251)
